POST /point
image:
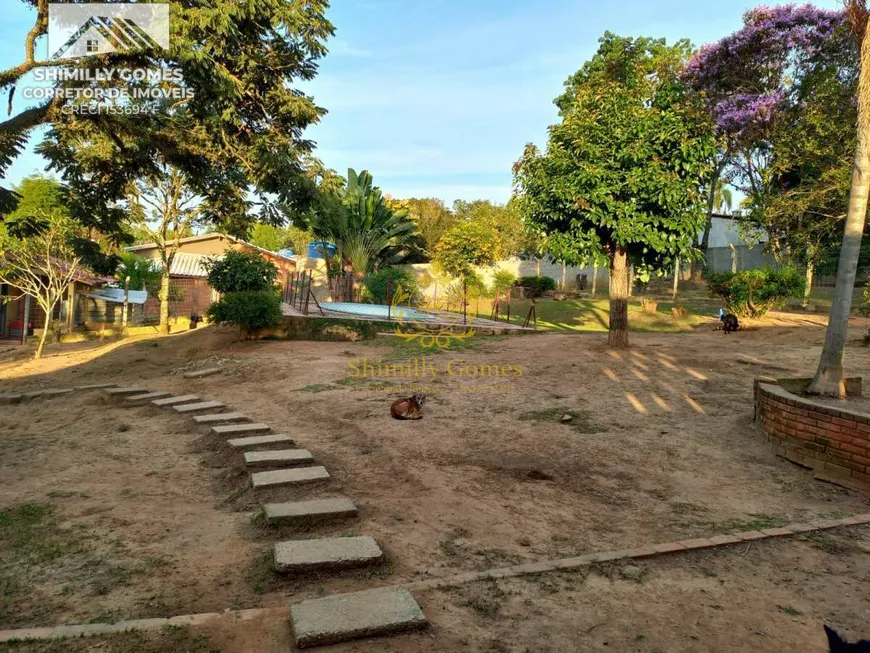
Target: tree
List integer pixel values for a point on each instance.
(364, 229)
(141, 272)
(242, 272)
(622, 173)
(239, 126)
(164, 207)
(466, 245)
(504, 222)
(749, 78)
(41, 262)
(269, 237)
(431, 220)
(829, 376)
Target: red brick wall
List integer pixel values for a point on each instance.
(833, 441)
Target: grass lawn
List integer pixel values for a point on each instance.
(591, 315)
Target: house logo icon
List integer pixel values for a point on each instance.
(83, 30)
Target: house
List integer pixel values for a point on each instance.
(189, 290)
(18, 311)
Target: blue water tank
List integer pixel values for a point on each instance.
(318, 249)
(286, 252)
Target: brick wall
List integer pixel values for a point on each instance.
(187, 295)
(832, 441)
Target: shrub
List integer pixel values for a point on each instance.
(251, 311)
(241, 272)
(752, 293)
(376, 284)
(537, 286)
(503, 281)
(864, 306)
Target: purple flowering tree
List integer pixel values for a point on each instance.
(749, 77)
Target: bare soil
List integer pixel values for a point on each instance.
(152, 517)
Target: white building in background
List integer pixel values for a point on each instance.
(728, 251)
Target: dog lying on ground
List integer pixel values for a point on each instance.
(410, 408)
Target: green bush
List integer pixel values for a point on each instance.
(251, 311)
(503, 281)
(241, 272)
(375, 284)
(752, 293)
(537, 286)
(864, 306)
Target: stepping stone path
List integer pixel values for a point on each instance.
(299, 476)
(120, 392)
(239, 429)
(328, 620)
(148, 396)
(198, 374)
(202, 405)
(7, 399)
(284, 457)
(55, 392)
(260, 440)
(173, 401)
(219, 417)
(326, 553)
(345, 617)
(306, 511)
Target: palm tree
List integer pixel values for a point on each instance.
(366, 232)
(829, 376)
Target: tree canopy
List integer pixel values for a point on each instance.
(241, 130)
(623, 172)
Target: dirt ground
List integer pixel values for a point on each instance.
(122, 513)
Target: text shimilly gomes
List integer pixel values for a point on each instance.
(427, 368)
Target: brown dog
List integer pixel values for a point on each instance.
(410, 408)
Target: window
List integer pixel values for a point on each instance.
(92, 45)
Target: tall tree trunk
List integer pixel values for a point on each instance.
(163, 296)
(811, 267)
(564, 272)
(619, 283)
(676, 278)
(594, 278)
(829, 377)
(538, 262)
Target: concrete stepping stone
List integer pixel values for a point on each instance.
(9, 399)
(345, 617)
(298, 476)
(219, 417)
(307, 511)
(260, 440)
(120, 392)
(148, 396)
(239, 429)
(195, 408)
(96, 386)
(174, 401)
(33, 394)
(55, 392)
(326, 553)
(283, 457)
(198, 374)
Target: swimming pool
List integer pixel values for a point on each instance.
(377, 310)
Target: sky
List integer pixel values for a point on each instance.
(437, 98)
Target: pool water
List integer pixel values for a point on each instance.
(377, 310)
